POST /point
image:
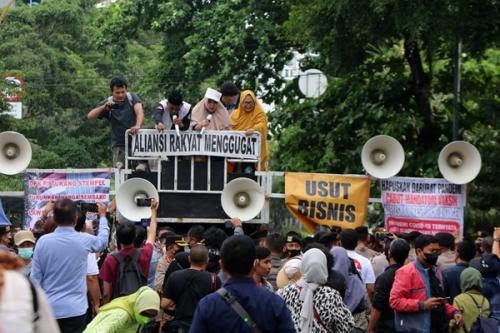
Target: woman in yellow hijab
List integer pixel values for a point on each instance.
(251, 117)
(126, 314)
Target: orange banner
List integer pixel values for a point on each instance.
(326, 199)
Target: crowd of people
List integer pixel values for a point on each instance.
(67, 274)
(135, 279)
(224, 110)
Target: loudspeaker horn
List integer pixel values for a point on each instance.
(459, 162)
(15, 153)
(382, 156)
(242, 198)
(128, 195)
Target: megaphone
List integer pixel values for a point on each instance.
(15, 153)
(459, 162)
(242, 198)
(382, 156)
(131, 199)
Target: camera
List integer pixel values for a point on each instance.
(143, 202)
(88, 207)
(117, 105)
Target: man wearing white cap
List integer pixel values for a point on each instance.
(209, 113)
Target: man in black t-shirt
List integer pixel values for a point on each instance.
(124, 112)
(186, 287)
(382, 316)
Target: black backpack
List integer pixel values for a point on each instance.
(130, 275)
(482, 324)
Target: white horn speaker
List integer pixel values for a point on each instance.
(459, 162)
(15, 153)
(382, 156)
(242, 198)
(131, 199)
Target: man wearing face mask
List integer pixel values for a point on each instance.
(25, 243)
(293, 254)
(173, 244)
(417, 297)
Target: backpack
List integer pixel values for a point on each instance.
(482, 324)
(183, 326)
(130, 275)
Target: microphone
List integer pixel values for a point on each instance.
(209, 118)
(174, 117)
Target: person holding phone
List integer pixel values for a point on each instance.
(417, 297)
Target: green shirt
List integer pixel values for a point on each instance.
(469, 310)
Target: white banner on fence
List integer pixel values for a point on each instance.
(150, 143)
(428, 205)
(43, 186)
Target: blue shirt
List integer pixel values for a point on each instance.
(267, 309)
(152, 268)
(59, 266)
(426, 325)
(451, 280)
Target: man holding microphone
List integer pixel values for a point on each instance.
(172, 113)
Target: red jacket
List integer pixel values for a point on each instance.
(407, 292)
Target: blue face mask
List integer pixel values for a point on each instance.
(25, 252)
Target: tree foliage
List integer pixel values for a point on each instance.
(390, 68)
(389, 65)
(54, 48)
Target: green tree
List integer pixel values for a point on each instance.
(390, 70)
(55, 48)
(426, 30)
(206, 43)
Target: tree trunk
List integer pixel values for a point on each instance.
(421, 85)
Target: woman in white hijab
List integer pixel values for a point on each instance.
(316, 308)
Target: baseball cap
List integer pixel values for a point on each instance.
(24, 236)
(488, 265)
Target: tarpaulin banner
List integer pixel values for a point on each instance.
(151, 143)
(43, 186)
(327, 199)
(427, 205)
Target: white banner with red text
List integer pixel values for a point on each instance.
(427, 205)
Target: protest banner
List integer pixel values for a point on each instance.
(151, 143)
(42, 186)
(427, 205)
(326, 199)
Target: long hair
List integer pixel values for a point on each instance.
(8, 261)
